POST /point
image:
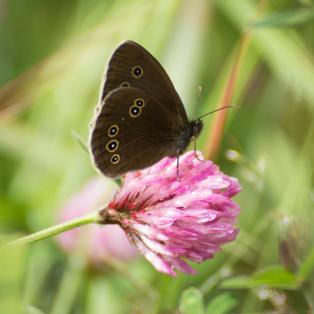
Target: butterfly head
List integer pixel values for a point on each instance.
(196, 126)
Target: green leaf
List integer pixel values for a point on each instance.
(191, 302)
(306, 267)
(288, 18)
(271, 277)
(221, 304)
(33, 310)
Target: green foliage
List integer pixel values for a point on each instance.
(307, 267)
(221, 304)
(11, 275)
(271, 277)
(191, 302)
(289, 18)
(33, 310)
(52, 56)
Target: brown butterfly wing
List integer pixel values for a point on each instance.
(139, 139)
(153, 79)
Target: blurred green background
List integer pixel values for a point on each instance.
(52, 55)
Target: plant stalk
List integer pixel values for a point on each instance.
(56, 229)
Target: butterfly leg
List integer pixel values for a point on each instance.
(178, 157)
(195, 154)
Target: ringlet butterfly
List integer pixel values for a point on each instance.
(140, 117)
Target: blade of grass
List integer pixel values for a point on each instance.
(287, 58)
(216, 132)
(215, 136)
(20, 92)
(78, 139)
(288, 18)
(11, 278)
(69, 286)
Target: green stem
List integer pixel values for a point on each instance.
(57, 229)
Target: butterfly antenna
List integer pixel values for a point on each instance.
(208, 113)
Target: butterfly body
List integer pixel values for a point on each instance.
(185, 135)
(140, 118)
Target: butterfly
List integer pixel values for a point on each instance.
(140, 117)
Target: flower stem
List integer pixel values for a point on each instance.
(56, 229)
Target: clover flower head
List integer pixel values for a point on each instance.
(174, 221)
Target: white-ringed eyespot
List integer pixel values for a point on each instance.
(139, 102)
(135, 111)
(112, 146)
(115, 159)
(113, 130)
(137, 72)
